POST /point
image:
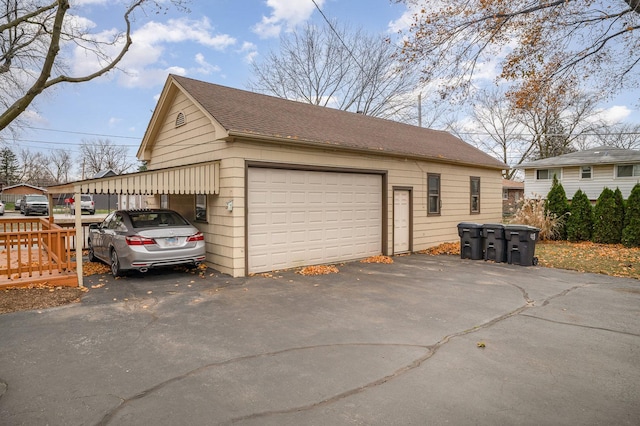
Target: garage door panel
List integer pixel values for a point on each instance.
(303, 217)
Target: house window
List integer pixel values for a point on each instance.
(433, 190)
(629, 170)
(505, 194)
(180, 119)
(585, 172)
(547, 174)
(201, 208)
(164, 201)
(475, 195)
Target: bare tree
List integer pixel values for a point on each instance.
(33, 35)
(558, 121)
(534, 42)
(32, 168)
(495, 128)
(59, 164)
(102, 154)
(556, 124)
(333, 66)
(621, 135)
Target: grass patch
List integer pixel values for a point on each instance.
(609, 259)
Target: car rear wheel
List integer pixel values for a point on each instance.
(116, 271)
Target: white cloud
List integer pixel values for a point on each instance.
(614, 114)
(113, 121)
(285, 13)
(249, 50)
(205, 67)
(146, 63)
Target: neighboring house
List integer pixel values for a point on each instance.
(590, 170)
(277, 184)
(512, 195)
(11, 193)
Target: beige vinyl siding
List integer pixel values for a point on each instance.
(194, 142)
(428, 231)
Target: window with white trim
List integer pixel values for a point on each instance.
(628, 170)
(547, 174)
(586, 172)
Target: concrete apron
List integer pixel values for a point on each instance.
(427, 340)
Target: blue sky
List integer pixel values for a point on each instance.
(216, 42)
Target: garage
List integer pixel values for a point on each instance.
(302, 217)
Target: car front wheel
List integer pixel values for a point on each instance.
(115, 264)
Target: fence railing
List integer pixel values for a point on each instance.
(35, 251)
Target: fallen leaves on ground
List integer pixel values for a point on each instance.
(377, 259)
(609, 259)
(37, 297)
(318, 270)
(444, 248)
(94, 268)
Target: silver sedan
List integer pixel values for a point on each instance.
(144, 239)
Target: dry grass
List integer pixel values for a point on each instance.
(531, 213)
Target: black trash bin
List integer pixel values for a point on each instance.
(521, 244)
(495, 245)
(470, 240)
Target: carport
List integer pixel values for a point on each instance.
(192, 179)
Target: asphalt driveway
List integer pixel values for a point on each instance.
(375, 344)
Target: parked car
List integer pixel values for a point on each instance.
(1, 208)
(34, 203)
(144, 239)
(16, 205)
(86, 205)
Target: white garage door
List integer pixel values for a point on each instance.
(298, 218)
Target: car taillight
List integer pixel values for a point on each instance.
(196, 237)
(137, 240)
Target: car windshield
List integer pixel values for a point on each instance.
(37, 198)
(156, 219)
(85, 197)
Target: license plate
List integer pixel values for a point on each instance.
(171, 241)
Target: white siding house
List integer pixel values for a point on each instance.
(590, 170)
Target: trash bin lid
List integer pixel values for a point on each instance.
(523, 228)
(471, 225)
(493, 225)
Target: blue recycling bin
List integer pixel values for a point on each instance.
(470, 240)
(495, 244)
(521, 244)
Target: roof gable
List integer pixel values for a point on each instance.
(593, 156)
(246, 114)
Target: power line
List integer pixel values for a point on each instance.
(339, 37)
(84, 133)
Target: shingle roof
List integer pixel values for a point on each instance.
(599, 155)
(512, 184)
(243, 112)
